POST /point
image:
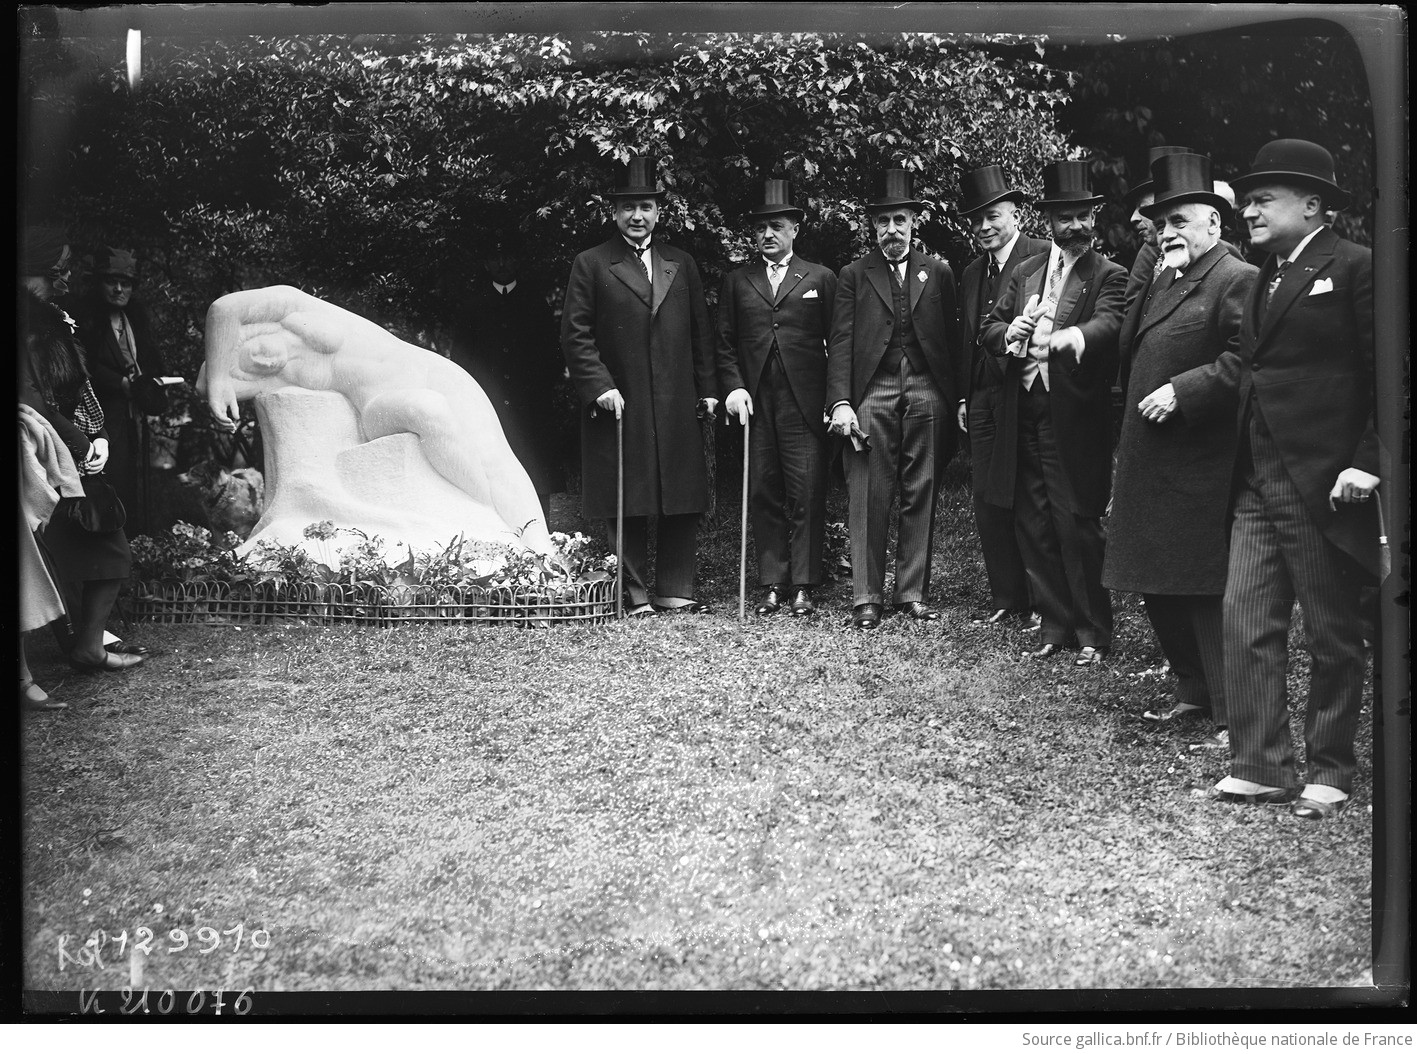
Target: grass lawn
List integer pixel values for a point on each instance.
(677, 803)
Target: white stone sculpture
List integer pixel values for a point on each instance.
(363, 428)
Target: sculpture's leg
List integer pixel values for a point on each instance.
(477, 462)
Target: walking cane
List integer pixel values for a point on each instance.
(619, 517)
(743, 546)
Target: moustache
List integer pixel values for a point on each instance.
(1074, 237)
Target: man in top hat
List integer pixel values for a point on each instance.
(1168, 533)
(125, 362)
(774, 316)
(1056, 327)
(1146, 266)
(991, 206)
(1305, 525)
(638, 343)
(894, 375)
(504, 334)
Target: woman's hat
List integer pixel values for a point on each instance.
(984, 186)
(1291, 161)
(894, 192)
(1183, 178)
(42, 249)
(119, 263)
(636, 178)
(777, 201)
(1068, 183)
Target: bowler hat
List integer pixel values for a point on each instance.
(108, 261)
(1068, 183)
(636, 179)
(894, 192)
(984, 186)
(1153, 155)
(777, 201)
(1295, 161)
(1183, 178)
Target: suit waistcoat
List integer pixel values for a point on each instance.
(905, 343)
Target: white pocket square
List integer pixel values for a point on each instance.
(810, 294)
(922, 276)
(1321, 285)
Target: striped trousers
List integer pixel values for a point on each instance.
(1278, 555)
(910, 426)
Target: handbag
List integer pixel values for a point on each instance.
(148, 395)
(99, 510)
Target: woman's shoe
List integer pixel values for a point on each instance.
(111, 663)
(36, 698)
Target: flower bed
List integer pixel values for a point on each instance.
(187, 577)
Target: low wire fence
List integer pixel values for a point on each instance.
(221, 603)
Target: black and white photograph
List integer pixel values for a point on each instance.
(749, 509)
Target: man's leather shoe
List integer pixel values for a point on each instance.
(1313, 809)
(1045, 652)
(802, 602)
(918, 611)
(1262, 796)
(1000, 615)
(1175, 712)
(1090, 656)
(772, 602)
(866, 616)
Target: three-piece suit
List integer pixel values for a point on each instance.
(1003, 563)
(774, 345)
(1053, 454)
(892, 358)
(1304, 373)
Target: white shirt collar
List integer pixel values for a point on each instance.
(505, 289)
(1001, 256)
(639, 248)
(1307, 239)
(1053, 256)
(782, 263)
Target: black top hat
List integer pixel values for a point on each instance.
(636, 178)
(1294, 161)
(1153, 155)
(894, 192)
(1183, 178)
(984, 186)
(1068, 183)
(777, 201)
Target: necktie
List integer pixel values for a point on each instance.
(993, 278)
(642, 255)
(1274, 282)
(1159, 267)
(775, 275)
(1055, 280)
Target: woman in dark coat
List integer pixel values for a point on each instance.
(54, 381)
(124, 363)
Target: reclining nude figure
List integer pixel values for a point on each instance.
(262, 340)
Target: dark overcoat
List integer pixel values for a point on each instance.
(863, 316)
(655, 344)
(1309, 361)
(986, 373)
(1080, 390)
(750, 318)
(1168, 532)
(508, 343)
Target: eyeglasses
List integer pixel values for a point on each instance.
(115, 280)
